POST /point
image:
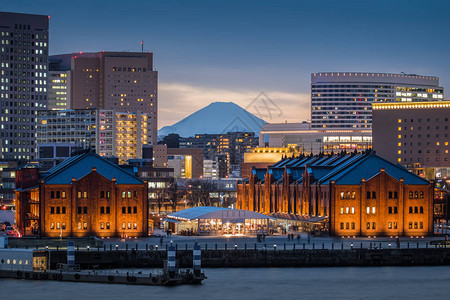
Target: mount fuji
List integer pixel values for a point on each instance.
(216, 118)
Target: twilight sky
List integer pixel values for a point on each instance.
(208, 51)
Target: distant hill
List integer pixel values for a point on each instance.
(217, 117)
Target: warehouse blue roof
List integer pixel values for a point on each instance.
(81, 165)
(368, 167)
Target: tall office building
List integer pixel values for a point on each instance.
(23, 81)
(58, 85)
(343, 100)
(123, 81)
(107, 132)
(415, 135)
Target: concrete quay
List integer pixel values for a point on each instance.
(241, 258)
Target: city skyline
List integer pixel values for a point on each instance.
(208, 51)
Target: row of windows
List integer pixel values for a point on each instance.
(420, 128)
(82, 210)
(127, 194)
(128, 69)
(84, 226)
(420, 120)
(128, 210)
(392, 210)
(415, 195)
(347, 195)
(105, 210)
(369, 195)
(348, 210)
(57, 209)
(416, 209)
(391, 225)
(57, 194)
(103, 194)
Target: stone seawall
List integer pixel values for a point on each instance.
(259, 258)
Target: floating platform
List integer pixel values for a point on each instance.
(163, 279)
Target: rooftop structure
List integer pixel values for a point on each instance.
(344, 99)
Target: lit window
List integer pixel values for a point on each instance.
(373, 209)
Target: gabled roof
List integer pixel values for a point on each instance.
(368, 167)
(81, 165)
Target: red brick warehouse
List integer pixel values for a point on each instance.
(85, 195)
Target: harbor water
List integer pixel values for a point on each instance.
(263, 283)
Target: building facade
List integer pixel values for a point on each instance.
(355, 195)
(307, 139)
(415, 135)
(84, 196)
(23, 81)
(231, 144)
(58, 90)
(122, 81)
(107, 132)
(344, 99)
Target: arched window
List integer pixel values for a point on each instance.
(395, 195)
(421, 225)
(411, 195)
(416, 210)
(415, 225)
(416, 194)
(374, 195)
(410, 210)
(421, 209)
(421, 195)
(368, 195)
(353, 225)
(410, 225)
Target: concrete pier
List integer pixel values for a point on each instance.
(232, 258)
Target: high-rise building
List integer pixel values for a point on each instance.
(415, 135)
(344, 99)
(107, 132)
(23, 81)
(123, 81)
(58, 89)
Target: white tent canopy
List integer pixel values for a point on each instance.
(210, 212)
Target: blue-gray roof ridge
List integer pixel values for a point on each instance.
(74, 168)
(370, 167)
(62, 164)
(342, 167)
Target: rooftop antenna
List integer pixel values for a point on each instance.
(142, 46)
